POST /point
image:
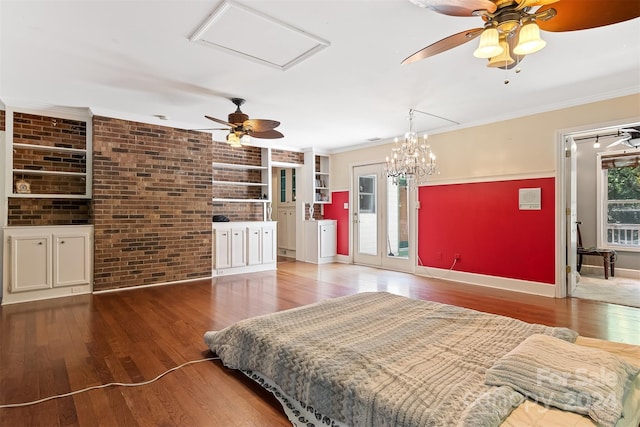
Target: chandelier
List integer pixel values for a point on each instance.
(411, 159)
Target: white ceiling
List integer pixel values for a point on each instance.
(133, 59)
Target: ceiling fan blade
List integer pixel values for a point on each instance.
(531, 3)
(624, 139)
(222, 122)
(575, 15)
(444, 45)
(260, 125)
(456, 7)
(267, 134)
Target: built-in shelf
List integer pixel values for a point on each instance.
(318, 165)
(52, 161)
(238, 166)
(243, 183)
(50, 148)
(47, 172)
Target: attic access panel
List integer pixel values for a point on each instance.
(240, 30)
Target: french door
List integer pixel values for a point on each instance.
(383, 219)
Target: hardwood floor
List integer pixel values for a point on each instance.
(56, 346)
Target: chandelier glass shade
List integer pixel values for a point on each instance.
(411, 159)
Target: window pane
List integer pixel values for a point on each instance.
(283, 186)
(368, 220)
(623, 204)
(397, 219)
(293, 185)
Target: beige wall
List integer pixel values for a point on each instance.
(522, 146)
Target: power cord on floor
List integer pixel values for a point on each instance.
(455, 260)
(71, 393)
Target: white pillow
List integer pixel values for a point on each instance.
(557, 373)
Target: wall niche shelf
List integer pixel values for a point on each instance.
(50, 150)
(242, 182)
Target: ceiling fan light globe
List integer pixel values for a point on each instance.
(232, 139)
(489, 44)
(504, 59)
(245, 139)
(529, 40)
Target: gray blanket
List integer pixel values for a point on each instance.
(378, 359)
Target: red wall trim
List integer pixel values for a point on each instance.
(335, 210)
(483, 224)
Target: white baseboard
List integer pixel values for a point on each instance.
(618, 272)
(151, 285)
(343, 259)
(516, 285)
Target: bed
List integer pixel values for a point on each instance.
(379, 359)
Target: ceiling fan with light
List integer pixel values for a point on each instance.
(512, 27)
(629, 137)
(242, 128)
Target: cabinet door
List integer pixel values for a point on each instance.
(282, 232)
(268, 245)
(30, 263)
(291, 231)
(222, 248)
(238, 248)
(254, 245)
(71, 259)
(328, 240)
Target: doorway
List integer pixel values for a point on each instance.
(592, 197)
(384, 220)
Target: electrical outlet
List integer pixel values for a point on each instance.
(456, 257)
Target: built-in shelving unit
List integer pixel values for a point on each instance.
(236, 182)
(48, 154)
(319, 187)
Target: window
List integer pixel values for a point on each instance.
(619, 225)
(283, 185)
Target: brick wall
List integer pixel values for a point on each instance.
(287, 156)
(29, 212)
(151, 204)
(2, 120)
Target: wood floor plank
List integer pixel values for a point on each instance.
(66, 344)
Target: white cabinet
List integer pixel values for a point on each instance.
(260, 245)
(322, 241)
(243, 247)
(47, 262)
(238, 247)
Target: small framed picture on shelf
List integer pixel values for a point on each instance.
(318, 183)
(23, 187)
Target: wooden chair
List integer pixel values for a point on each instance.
(608, 255)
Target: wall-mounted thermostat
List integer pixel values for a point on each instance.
(529, 199)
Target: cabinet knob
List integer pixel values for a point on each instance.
(39, 243)
(62, 242)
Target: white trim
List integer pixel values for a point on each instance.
(491, 178)
(152, 285)
(515, 285)
(343, 259)
(244, 269)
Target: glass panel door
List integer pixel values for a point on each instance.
(366, 221)
(384, 220)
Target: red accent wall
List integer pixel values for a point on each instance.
(483, 224)
(335, 210)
